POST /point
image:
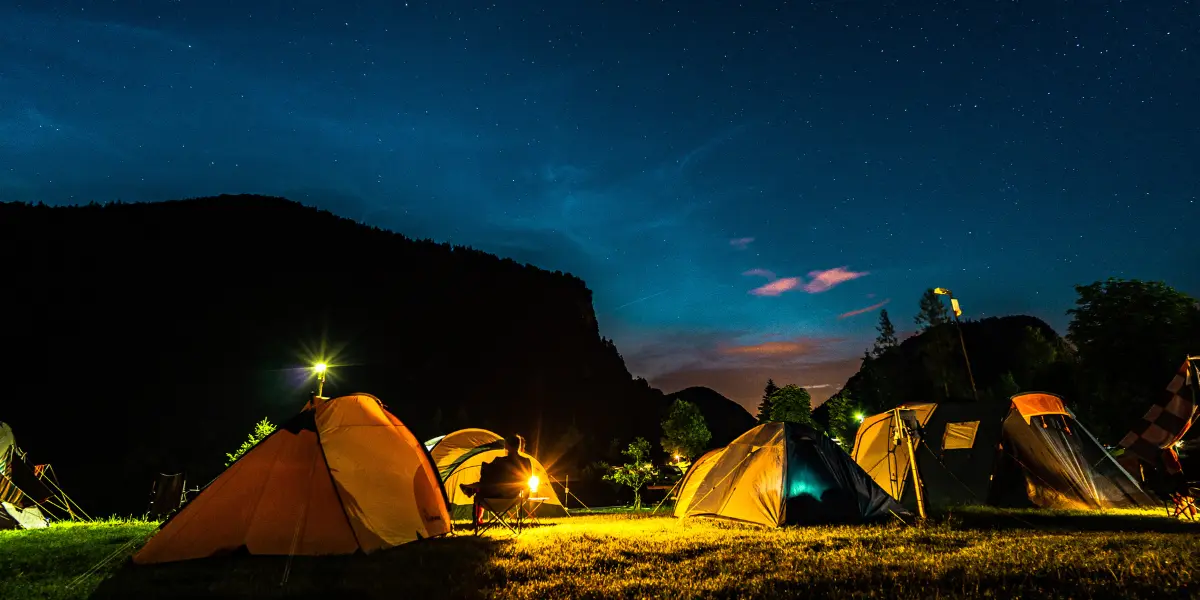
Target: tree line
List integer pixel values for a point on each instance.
(1124, 342)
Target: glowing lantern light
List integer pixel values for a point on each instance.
(533, 483)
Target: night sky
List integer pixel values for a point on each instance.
(743, 188)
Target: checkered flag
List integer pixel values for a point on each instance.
(1166, 422)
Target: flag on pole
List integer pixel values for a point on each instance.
(1166, 422)
(954, 305)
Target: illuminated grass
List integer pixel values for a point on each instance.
(980, 552)
(44, 563)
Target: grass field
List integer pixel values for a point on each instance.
(977, 553)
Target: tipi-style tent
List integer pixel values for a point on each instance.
(343, 476)
(782, 474)
(29, 494)
(459, 457)
(1027, 451)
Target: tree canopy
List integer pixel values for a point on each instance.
(684, 431)
(791, 404)
(887, 334)
(262, 429)
(637, 472)
(932, 312)
(764, 407)
(1130, 337)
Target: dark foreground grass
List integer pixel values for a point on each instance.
(977, 553)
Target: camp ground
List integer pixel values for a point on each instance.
(342, 500)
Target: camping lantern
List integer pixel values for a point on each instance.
(533, 483)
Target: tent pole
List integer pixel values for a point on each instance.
(668, 496)
(912, 461)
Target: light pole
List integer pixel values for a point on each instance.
(320, 369)
(961, 342)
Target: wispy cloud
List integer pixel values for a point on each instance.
(741, 243)
(788, 348)
(737, 365)
(859, 311)
(760, 273)
(820, 281)
(825, 280)
(777, 287)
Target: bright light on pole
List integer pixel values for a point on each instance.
(320, 369)
(859, 417)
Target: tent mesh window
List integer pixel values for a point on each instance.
(960, 436)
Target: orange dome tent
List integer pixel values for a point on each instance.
(342, 476)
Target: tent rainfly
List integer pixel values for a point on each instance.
(782, 474)
(30, 496)
(1029, 451)
(459, 457)
(343, 476)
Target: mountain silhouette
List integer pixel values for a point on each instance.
(147, 338)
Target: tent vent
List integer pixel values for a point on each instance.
(960, 436)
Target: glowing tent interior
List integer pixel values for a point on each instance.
(460, 455)
(1029, 451)
(343, 476)
(782, 474)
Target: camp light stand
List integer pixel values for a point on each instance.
(320, 369)
(961, 342)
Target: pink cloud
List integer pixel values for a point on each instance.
(773, 348)
(859, 311)
(760, 273)
(825, 280)
(741, 243)
(777, 287)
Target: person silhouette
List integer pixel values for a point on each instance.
(504, 477)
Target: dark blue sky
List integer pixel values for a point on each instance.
(676, 155)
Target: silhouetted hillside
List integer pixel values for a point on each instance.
(930, 368)
(151, 337)
(725, 418)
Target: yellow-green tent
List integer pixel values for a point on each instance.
(459, 457)
(782, 474)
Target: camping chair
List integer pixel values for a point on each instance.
(166, 495)
(502, 512)
(1182, 502)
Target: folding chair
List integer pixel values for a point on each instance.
(1183, 503)
(506, 512)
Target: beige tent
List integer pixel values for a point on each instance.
(1029, 451)
(459, 457)
(780, 474)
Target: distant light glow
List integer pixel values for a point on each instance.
(320, 367)
(859, 417)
